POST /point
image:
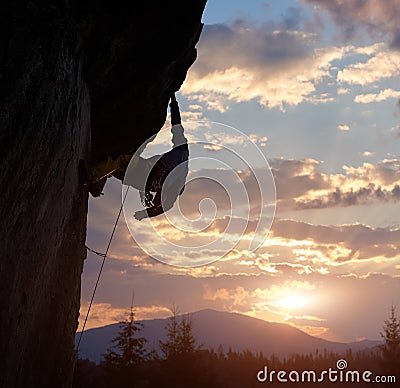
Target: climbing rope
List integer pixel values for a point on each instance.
(104, 256)
(95, 252)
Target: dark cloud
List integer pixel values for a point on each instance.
(236, 225)
(224, 188)
(294, 178)
(379, 17)
(207, 184)
(362, 196)
(297, 185)
(240, 44)
(396, 133)
(298, 180)
(292, 19)
(243, 61)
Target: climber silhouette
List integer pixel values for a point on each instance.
(159, 179)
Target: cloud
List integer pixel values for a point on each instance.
(279, 65)
(343, 91)
(270, 64)
(294, 179)
(212, 147)
(367, 153)
(395, 132)
(260, 140)
(343, 127)
(236, 296)
(379, 18)
(221, 293)
(300, 185)
(151, 312)
(386, 172)
(339, 244)
(362, 196)
(276, 296)
(312, 302)
(225, 188)
(327, 297)
(102, 314)
(383, 65)
(377, 97)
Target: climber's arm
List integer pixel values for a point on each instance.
(150, 212)
(157, 209)
(175, 114)
(178, 137)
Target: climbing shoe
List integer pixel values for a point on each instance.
(86, 179)
(96, 188)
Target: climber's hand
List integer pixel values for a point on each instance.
(140, 214)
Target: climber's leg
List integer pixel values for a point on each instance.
(106, 167)
(96, 177)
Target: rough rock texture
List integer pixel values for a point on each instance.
(77, 80)
(131, 79)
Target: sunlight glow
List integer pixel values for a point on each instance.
(294, 302)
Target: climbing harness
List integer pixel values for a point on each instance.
(104, 256)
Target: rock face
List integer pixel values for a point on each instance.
(131, 79)
(77, 80)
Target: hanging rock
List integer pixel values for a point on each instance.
(78, 80)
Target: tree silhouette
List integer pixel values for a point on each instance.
(181, 355)
(170, 347)
(87, 375)
(180, 341)
(123, 362)
(391, 347)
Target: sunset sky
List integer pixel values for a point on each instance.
(315, 85)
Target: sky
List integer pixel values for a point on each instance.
(291, 212)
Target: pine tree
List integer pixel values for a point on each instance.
(123, 361)
(181, 355)
(186, 340)
(391, 347)
(170, 347)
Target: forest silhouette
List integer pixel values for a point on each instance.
(183, 362)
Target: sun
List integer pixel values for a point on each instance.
(294, 302)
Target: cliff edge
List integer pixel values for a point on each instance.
(78, 80)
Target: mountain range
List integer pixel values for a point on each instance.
(231, 330)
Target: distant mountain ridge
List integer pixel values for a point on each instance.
(231, 330)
